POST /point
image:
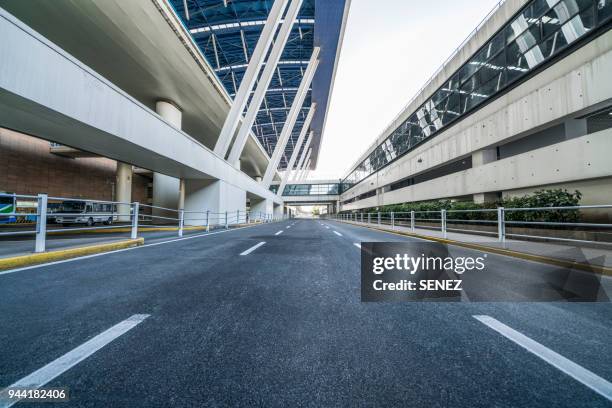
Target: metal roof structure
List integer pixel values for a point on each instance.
(227, 31)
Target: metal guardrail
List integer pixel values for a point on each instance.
(127, 214)
(497, 222)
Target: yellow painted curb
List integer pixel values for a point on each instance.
(602, 270)
(51, 256)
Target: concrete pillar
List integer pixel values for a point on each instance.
(170, 112)
(181, 200)
(215, 196)
(261, 208)
(123, 190)
(278, 210)
(575, 128)
(484, 156)
(480, 158)
(166, 188)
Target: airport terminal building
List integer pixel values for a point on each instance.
(523, 104)
(190, 104)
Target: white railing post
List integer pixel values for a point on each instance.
(226, 224)
(392, 220)
(41, 223)
(181, 222)
(501, 224)
(135, 209)
(237, 216)
(207, 220)
(369, 217)
(361, 217)
(379, 218)
(412, 220)
(443, 222)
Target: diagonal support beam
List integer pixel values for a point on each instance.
(298, 144)
(264, 82)
(250, 77)
(301, 162)
(306, 164)
(296, 107)
(306, 171)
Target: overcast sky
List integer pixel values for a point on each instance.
(390, 49)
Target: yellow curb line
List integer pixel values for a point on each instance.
(51, 256)
(515, 254)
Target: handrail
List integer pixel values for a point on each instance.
(559, 222)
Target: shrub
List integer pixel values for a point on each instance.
(540, 198)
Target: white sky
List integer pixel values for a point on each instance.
(390, 49)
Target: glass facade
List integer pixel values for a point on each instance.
(540, 31)
(309, 189)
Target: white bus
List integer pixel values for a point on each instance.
(85, 212)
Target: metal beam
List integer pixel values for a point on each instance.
(296, 149)
(296, 107)
(250, 77)
(262, 84)
(306, 171)
(303, 156)
(306, 164)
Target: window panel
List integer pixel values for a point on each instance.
(604, 10)
(538, 33)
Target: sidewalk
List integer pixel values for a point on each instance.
(569, 252)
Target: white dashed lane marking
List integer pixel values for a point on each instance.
(251, 249)
(577, 372)
(62, 364)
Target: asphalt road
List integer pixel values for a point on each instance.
(283, 325)
(24, 244)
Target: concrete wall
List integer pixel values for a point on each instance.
(217, 197)
(577, 84)
(27, 167)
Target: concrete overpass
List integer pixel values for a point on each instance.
(127, 80)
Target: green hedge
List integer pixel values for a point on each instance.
(541, 198)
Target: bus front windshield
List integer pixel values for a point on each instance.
(72, 207)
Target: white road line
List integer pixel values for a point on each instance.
(57, 367)
(279, 232)
(251, 249)
(337, 233)
(357, 244)
(288, 226)
(25, 268)
(326, 227)
(579, 373)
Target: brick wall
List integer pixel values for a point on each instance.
(27, 167)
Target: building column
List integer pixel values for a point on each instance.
(181, 198)
(296, 106)
(123, 190)
(215, 196)
(480, 158)
(261, 209)
(264, 81)
(166, 188)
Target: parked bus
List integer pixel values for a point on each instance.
(85, 212)
(7, 206)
